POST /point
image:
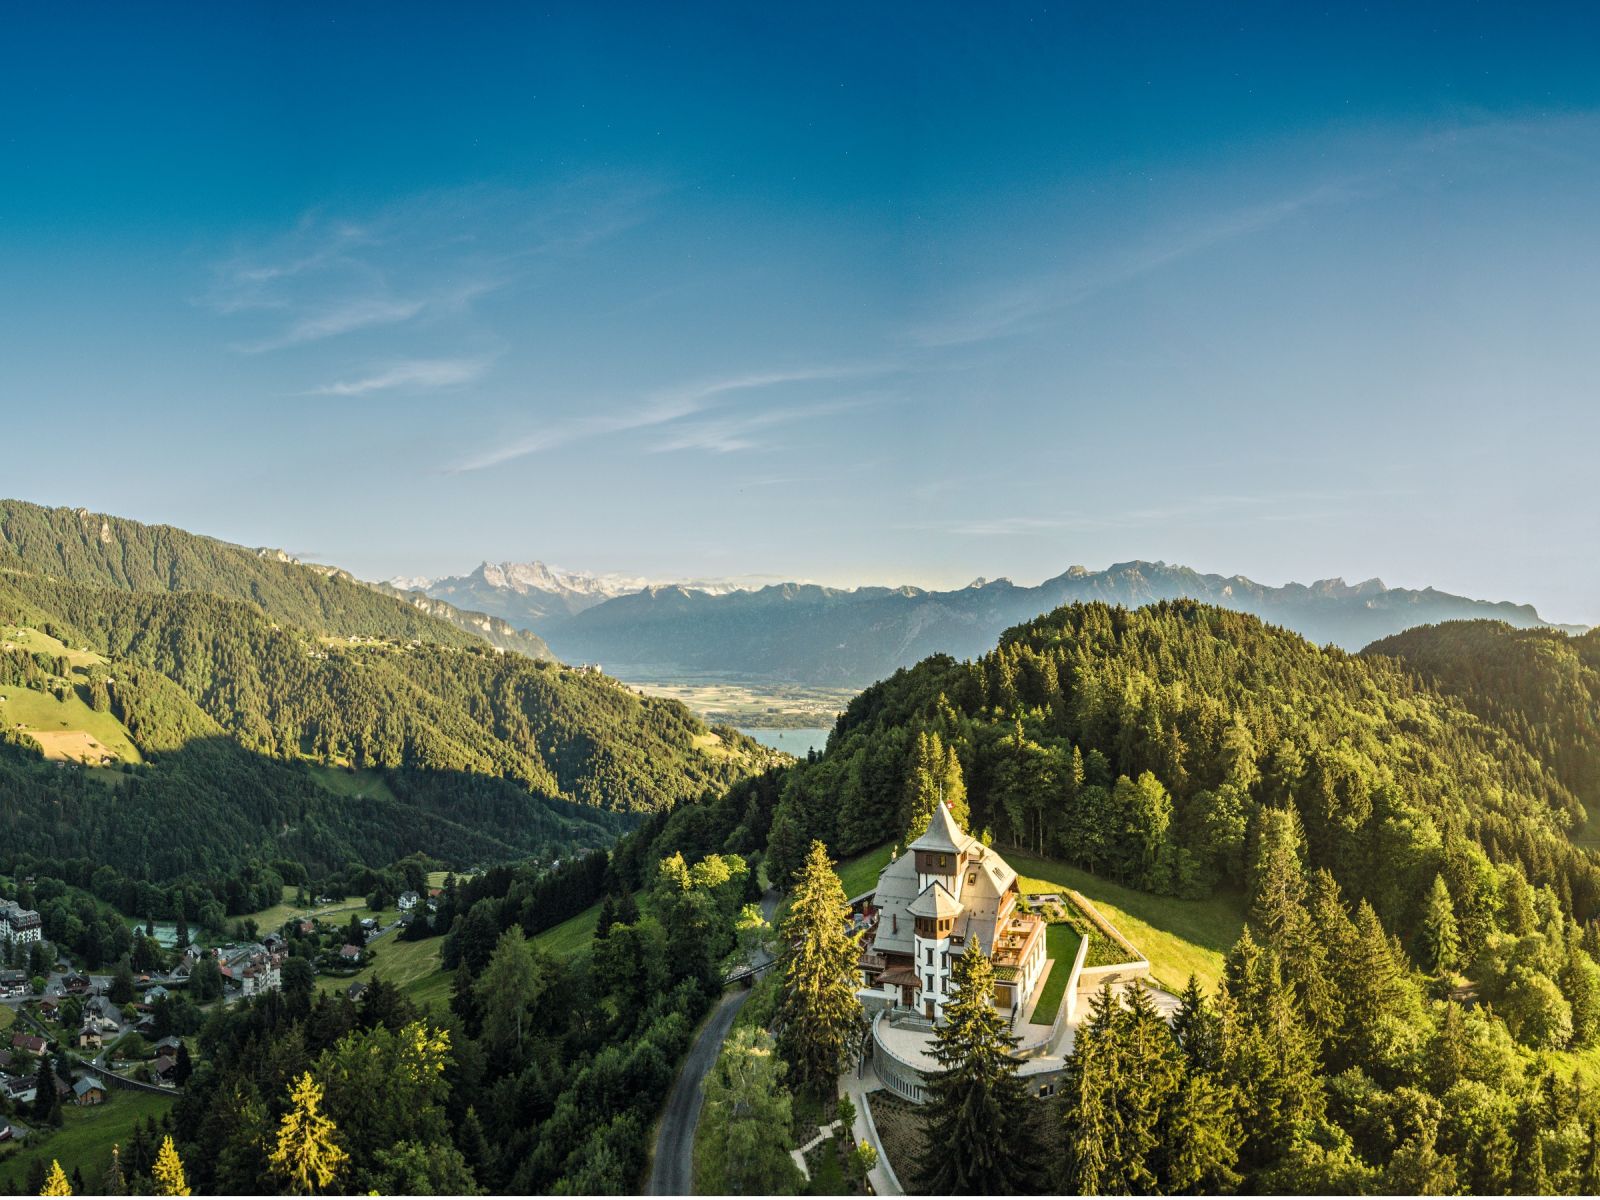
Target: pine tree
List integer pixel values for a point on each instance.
(1439, 939)
(55, 1183)
(46, 1104)
(1196, 1029)
(168, 1171)
(114, 1183)
(977, 1130)
(819, 1016)
(307, 1155)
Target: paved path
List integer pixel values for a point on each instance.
(672, 1173)
(672, 1168)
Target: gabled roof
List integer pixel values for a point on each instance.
(943, 835)
(88, 1084)
(935, 902)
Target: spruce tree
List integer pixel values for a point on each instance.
(1439, 939)
(977, 1130)
(819, 1017)
(113, 1182)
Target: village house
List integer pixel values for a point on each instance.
(349, 953)
(89, 1036)
(169, 1046)
(407, 901)
(29, 1042)
(88, 1091)
(13, 984)
(161, 1068)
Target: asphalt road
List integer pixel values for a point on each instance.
(672, 1171)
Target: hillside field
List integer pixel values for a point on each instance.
(413, 967)
(86, 1137)
(66, 729)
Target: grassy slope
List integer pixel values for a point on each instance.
(270, 920)
(1179, 937)
(572, 936)
(413, 967)
(44, 713)
(860, 874)
(87, 1135)
(342, 781)
(8, 1016)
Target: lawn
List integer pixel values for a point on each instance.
(827, 1174)
(1060, 943)
(1179, 937)
(860, 874)
(8, 1016)
(413, 967)
(87, 1135)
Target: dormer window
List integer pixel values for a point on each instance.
(972, 878)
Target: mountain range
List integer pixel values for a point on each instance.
(811, 634)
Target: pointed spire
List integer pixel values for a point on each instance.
(943, 835)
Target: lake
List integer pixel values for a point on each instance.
(798, 742)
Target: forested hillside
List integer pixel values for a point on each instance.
(1143, 744)
(1540, 685)
(475, 755)
(77, 546)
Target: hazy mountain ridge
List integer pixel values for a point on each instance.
(815, 634)
(536, 596)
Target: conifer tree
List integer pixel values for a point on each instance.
(819, 1016)
(307, 1156)
(1197, 1029)
(55, 1183)
(46, 1104)
(978, 1134)
(1439, 938)
(934, 777)
(113, 1182)
(747, 1117)
(168, 1171)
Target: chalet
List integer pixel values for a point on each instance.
(32, 1043)
(947, 891)
(6, 1059)
(169, 1046)
(78, 984)
(89, 1036)
(13, 983)
(355, 991)
(48, 1008)
(87, 1091)
(407, 901)
(161, 1069)
(350, 953)
(156, 993)
(19, 1091)
(307, 928)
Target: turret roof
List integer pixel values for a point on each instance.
(935, 903)
(943, 835)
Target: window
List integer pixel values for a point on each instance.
(942, 860)
(1048, 1089)
(944, 960)
(930, 956)
(930, 985)
(972, 878)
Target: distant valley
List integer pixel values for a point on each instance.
(821, 637)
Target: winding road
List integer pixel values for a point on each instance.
(672, 1169)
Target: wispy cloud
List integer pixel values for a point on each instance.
(729, 431)
(425, 258)
(415, 374)
(1019, 307)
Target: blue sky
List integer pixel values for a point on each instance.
(867, 293)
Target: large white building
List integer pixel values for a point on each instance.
(947, 891)
(18, 924)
